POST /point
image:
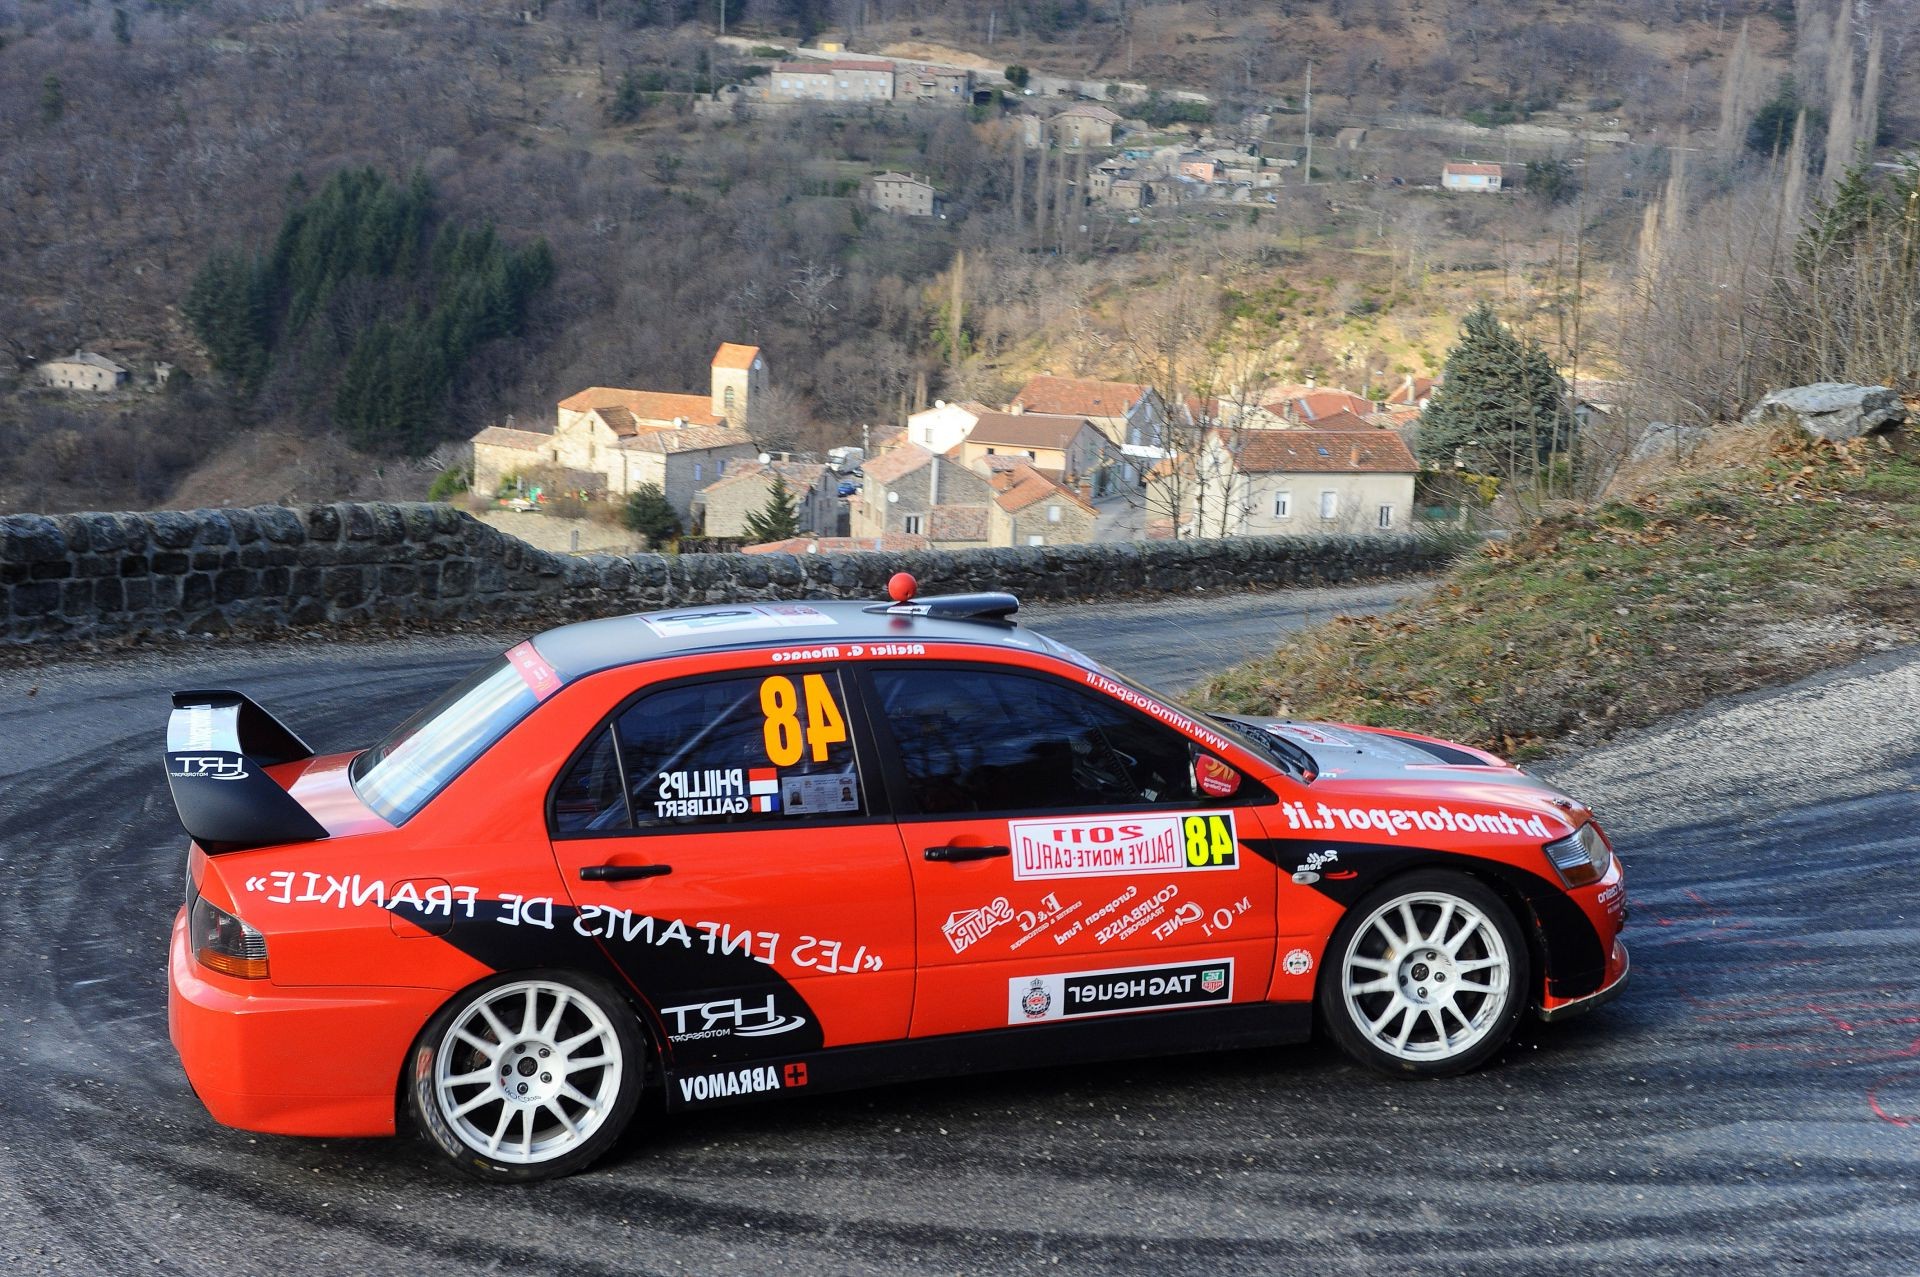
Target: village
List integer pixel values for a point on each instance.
(1067, 460)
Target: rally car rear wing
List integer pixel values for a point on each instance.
(218, 745)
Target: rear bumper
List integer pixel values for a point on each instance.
(1619, 965)
(321, 1061)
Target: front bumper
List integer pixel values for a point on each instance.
(320, 1061)
(1619, 965)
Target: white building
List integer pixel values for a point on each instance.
(83, 370)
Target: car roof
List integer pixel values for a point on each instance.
(588, 647)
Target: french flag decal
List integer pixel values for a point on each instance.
(763, 785)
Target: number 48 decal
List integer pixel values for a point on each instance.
(1209, 841)
(781, 703)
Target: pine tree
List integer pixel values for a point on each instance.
(778, 519)
(1501, 408)
(122, 26)
(650, 514)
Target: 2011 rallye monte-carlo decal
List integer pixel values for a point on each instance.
(734, 852)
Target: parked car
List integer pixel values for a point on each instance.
(751, 852)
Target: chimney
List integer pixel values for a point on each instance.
(933, 485)
(1016, 408)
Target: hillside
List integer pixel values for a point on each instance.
(151, 142)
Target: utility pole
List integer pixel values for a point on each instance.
(721, 5)
(1306, 177)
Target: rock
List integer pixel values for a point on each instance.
(1831, 410)
(1667, 439)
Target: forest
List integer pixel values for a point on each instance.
(168, 155)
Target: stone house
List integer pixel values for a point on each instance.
(1306, 482)
(1130, 415)
(1067, 446)
(1031, 509)
(609, 440)
(905, 484)
(83, 370)
(1130, 193)
(1198, 166)
(1470, 177)
(903, 193)
(1085, 125)
(933, 85)
(747, 486)
(845, 80)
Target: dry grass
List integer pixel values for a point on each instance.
(1766, 559)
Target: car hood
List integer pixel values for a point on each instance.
(1363, 762)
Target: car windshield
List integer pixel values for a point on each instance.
(1296, 761)
(418, 758)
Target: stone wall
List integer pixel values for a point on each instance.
(104, 576)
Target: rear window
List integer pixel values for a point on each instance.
(418, 758)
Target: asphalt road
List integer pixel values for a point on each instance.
(1751, 1105)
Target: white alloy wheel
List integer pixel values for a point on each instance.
(528, 1077)
(1429, 976)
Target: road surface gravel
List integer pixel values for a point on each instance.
(1751, 1105)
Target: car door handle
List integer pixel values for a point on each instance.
(622, 873)
(966, 853)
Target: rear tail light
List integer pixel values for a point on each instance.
(223, 943)
(1581, 857)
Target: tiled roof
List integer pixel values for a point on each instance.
(800, 475)
(731, 355)
(1079, 396)
(508, 437)
(1344, 420)
(688, 439)
(1471, 170)
(892, 465)
(645, 405)
(1091, 111)
(1421, 388)
(1026, 429)
(1027, 486)
(1315, 404)
(1322, 452)
(91, 360)
(895, 542)
(908, 178)
(957, 523)
(818, 67)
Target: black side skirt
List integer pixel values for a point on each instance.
(993, 1051)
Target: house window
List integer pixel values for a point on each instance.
(990, 452)
(1036, 540)
(1053, 514)
(697, 468)
(1386, 516)
(1329, 504)
(913, 524)
(727, 399)
(1283, 505)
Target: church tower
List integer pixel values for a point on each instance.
(739, 382)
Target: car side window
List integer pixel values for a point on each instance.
(762, 748)
(987, 740)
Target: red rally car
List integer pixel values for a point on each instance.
(739, 851)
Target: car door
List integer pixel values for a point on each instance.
(1065, 863)
(724, 846)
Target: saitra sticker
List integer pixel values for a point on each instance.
(1124, 845)
(965, 928)
(1033, 999)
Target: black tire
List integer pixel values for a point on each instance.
(1382, 1002)
(549, 1063)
